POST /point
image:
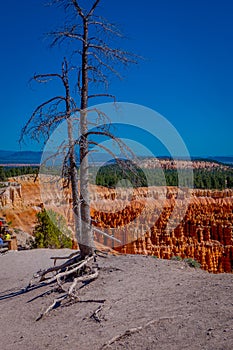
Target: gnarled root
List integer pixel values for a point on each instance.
(66, 276)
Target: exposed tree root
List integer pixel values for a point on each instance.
(95, 315)
(66, 276)
(121, 336)
(131, 331)
(56, 303)
(86, 278)
(72, 259)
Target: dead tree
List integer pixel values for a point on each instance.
(90, 35)
(94, 59)
(46, 117)
(98, 59)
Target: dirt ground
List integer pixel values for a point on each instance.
(147, 303)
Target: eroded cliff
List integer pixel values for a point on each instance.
(158, 221)
(205, 233)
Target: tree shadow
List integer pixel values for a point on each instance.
(9, 294)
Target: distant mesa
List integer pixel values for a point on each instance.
(15, 158)
(20, 157)
(223, 159)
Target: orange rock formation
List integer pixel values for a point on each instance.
(139, 219)
(204, 234)
(20, 201)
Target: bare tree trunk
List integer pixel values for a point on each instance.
(86, 243)
(74, 182)
(72, 166)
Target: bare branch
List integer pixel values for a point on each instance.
(98, 76)
(42, 78)
(102, 119)
(104, 64)
(106, 26)
(93, 8)
(120, 55)
(66, 33)
(39, 108)
(78, 8)
(122, 145)
(103, 95)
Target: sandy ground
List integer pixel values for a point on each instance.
(167, 304)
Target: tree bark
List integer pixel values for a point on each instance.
(72, 166)
(86, 242)
(74, 182)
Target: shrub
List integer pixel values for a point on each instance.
(51, 231)
(192, 263)
(176, 258)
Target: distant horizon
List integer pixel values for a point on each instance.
(205, 156)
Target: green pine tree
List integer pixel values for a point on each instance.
(51, 231)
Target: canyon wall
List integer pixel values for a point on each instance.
(10, 195)
(205, 233)
(20, 201)
(160, 221)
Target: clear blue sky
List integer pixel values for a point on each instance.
(187, 74)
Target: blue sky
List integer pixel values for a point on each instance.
(186, 74)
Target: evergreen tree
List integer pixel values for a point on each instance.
(51, 231)
(2, 174)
